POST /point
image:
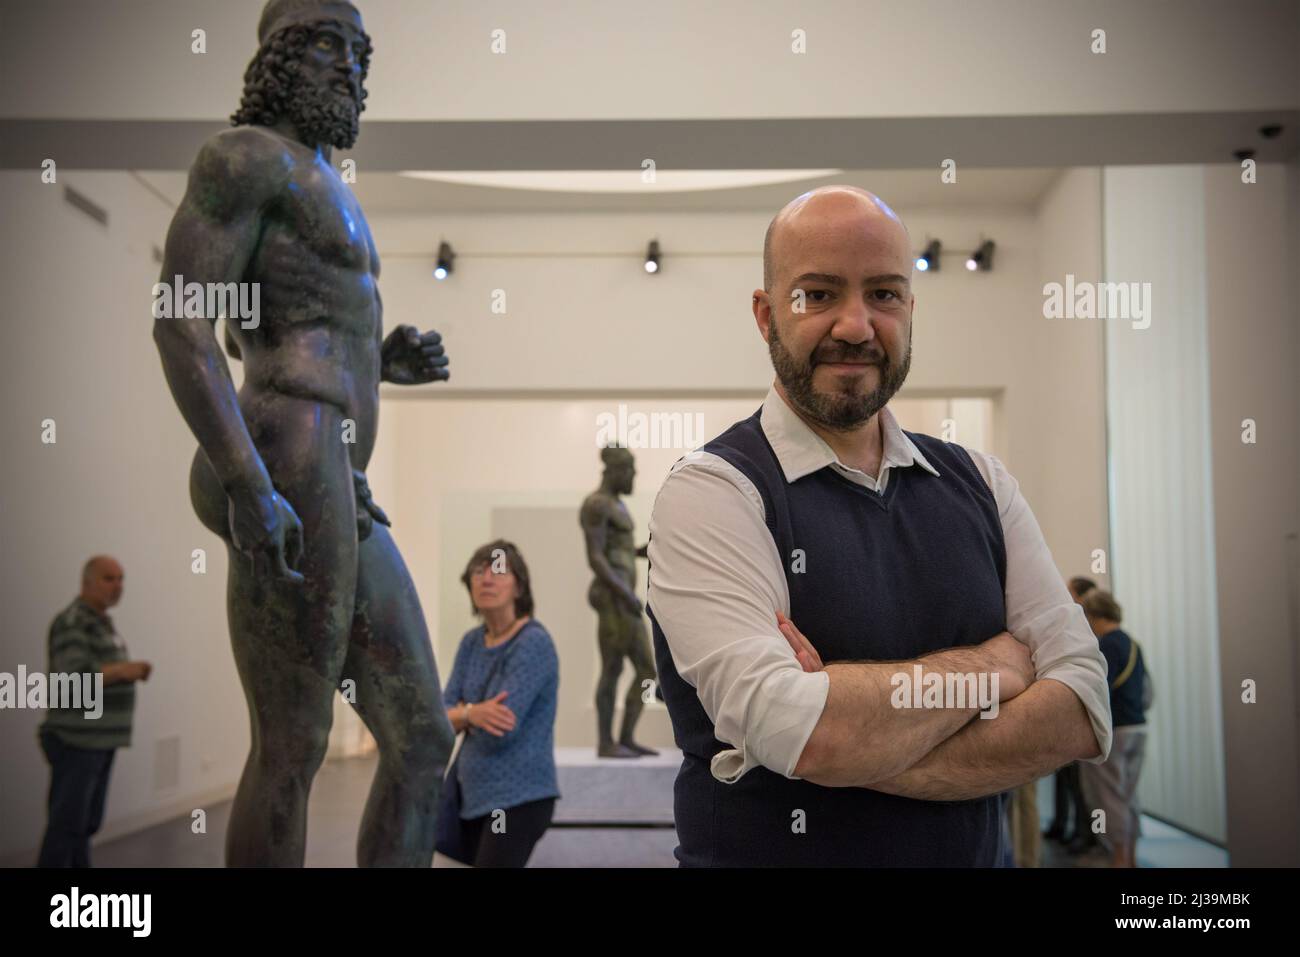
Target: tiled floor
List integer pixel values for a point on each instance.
(1160, 845)
(340, 792)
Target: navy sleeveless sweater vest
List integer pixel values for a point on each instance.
(884, 577)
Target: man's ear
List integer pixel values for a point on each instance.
(762, 307)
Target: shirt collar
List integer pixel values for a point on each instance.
(86, 606)
(801, 451)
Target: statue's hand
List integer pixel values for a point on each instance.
(631, 604)
(409, 358)
(265, 527)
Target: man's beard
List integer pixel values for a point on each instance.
(323, 115)
(845, 409)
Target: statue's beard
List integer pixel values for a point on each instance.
(843, 409)
(324, 115)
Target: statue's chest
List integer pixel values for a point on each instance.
(328, 219)
(619, 518)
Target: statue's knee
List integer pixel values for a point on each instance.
(295, 751)
(441, 742)
(427, 755)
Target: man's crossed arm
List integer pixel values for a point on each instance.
(940, 754)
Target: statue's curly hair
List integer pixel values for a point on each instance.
(268, 81)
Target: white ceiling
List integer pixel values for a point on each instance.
(904, 189)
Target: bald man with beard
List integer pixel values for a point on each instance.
(814, 552)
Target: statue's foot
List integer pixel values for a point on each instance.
(615, 751)
(640, 749)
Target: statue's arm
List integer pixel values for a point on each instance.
(212, 238)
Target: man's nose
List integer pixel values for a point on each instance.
(853, 324)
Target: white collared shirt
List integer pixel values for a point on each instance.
(716, 583)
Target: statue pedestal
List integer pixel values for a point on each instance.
(610, 791)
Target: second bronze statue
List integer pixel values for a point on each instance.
(611, 552)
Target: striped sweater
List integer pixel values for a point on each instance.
(82, 640)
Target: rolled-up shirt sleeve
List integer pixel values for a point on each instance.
(1040, 611)
(716, 583)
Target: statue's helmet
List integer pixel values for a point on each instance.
(615, 455)
(278, 14)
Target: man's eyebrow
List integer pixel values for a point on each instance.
(832, 280)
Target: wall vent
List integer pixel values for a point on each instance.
(79, 201)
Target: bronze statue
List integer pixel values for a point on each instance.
(621, 632)
(318, 598)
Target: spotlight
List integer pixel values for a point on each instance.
(445, 259)
(982, 258)
(928, 261)
(652, 257)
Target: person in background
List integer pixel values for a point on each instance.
(1023, 810)
(80, 749)
(1112, 785)
(1067, 828)
(502, 693)
(1022, 825)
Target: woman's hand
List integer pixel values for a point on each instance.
(492, 716)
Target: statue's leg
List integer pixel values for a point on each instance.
(399, 697)
(637, 649)
(611, 667)
(289, 640)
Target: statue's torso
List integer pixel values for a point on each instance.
(620, 544)
(320, 324)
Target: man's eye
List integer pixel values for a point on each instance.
(817, 292)
(888, 292)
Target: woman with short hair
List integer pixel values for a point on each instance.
(501, 789)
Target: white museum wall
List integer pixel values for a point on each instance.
(1068, 488)
(1162, 499)
(574, 288)
(79, 350)
(1210, 573)
(678, 58)
(1252, 288)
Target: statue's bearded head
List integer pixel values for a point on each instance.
(310, 68)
